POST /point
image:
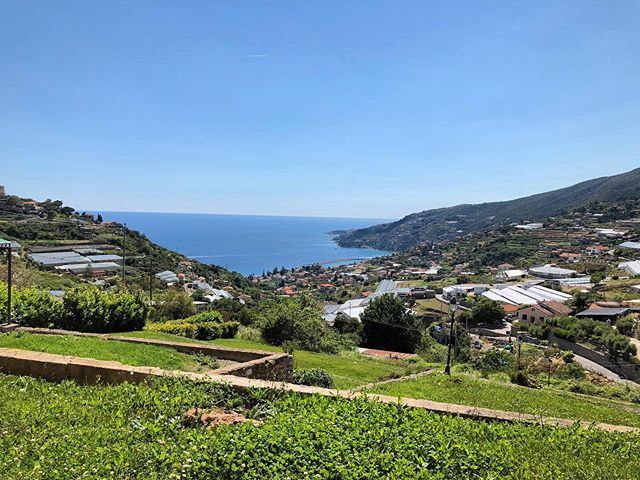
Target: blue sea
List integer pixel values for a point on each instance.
(250, 243)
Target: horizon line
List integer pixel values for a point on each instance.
(237, 214)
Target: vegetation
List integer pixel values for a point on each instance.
(487, 312)
(298, 322)
(448, 223)
(206, 325)
(63, 431)
(468, 390)
(595, 332)
(173, 304)
(84, 308)
(314, 377)
(388, 325)
(90, 347)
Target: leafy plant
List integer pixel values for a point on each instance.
(314, 377)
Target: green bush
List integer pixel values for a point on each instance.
(313, 377)
(495, 360)
(33, 307)
(389, 325)
(205, 317)
(173, 304)
(84, 308)
(625, 325)
(88, 309)
(299, 320)
(198, 331)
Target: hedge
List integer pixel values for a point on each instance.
(199, 331)
(85, 308)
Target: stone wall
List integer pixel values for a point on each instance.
(257, 364)
(278, 367)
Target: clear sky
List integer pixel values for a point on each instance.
(331, 108)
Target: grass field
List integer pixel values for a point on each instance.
(348, 370)
(88, 347)
(467, 390)
(66, 432)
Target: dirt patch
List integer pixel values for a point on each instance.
(213, 418)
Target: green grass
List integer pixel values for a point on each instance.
(66, 432)
(348, 370)
(467, 390)
(91, 347)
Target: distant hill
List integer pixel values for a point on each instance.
(446, 223)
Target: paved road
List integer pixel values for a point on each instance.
(594, 367)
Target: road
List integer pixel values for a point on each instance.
(594, 367)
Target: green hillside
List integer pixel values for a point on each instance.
(446, 223)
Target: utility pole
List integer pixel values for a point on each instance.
(124, 251)
(518, 355)
(9, 284)
(150, 282)
(549, 372)
(453, 306)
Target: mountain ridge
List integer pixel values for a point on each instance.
(446, 223)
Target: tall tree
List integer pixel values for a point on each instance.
(389, 325)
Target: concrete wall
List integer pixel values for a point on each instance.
(255, 364)
(619, 366)
(628, 370)
(278, 367)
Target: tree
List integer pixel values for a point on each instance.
(389, 325)
(298, 321)
(581, 301)
(173, 305)
(487, 311)
(99, 218)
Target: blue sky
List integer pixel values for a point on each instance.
(357, 108)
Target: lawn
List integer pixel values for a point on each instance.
(91, 347)
(348, 370)
(467, 390)
(64, 431)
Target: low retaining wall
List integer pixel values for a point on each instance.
(619, 366)
(256, 364)
(88, 371)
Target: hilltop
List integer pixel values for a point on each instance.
(49, 224)
(451, 222)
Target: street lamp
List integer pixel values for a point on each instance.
(453, 306)
(5, 247)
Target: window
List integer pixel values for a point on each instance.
(524, 316)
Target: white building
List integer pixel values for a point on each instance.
(508, 275)
(529, 226)
(549, 271)
(632, 268)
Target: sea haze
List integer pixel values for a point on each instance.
(250, 243)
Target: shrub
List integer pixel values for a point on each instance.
(198, 331)
(488, 312)
(313, 377)
(625, 325)
(572, 371)
(205, 317)
(387, 324)
(495, 360)
(87, 309)
(36, 308)
(174, 304)
(299, 320)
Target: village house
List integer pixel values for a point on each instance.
(543, 310)
(596, 249)
(570, 257)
